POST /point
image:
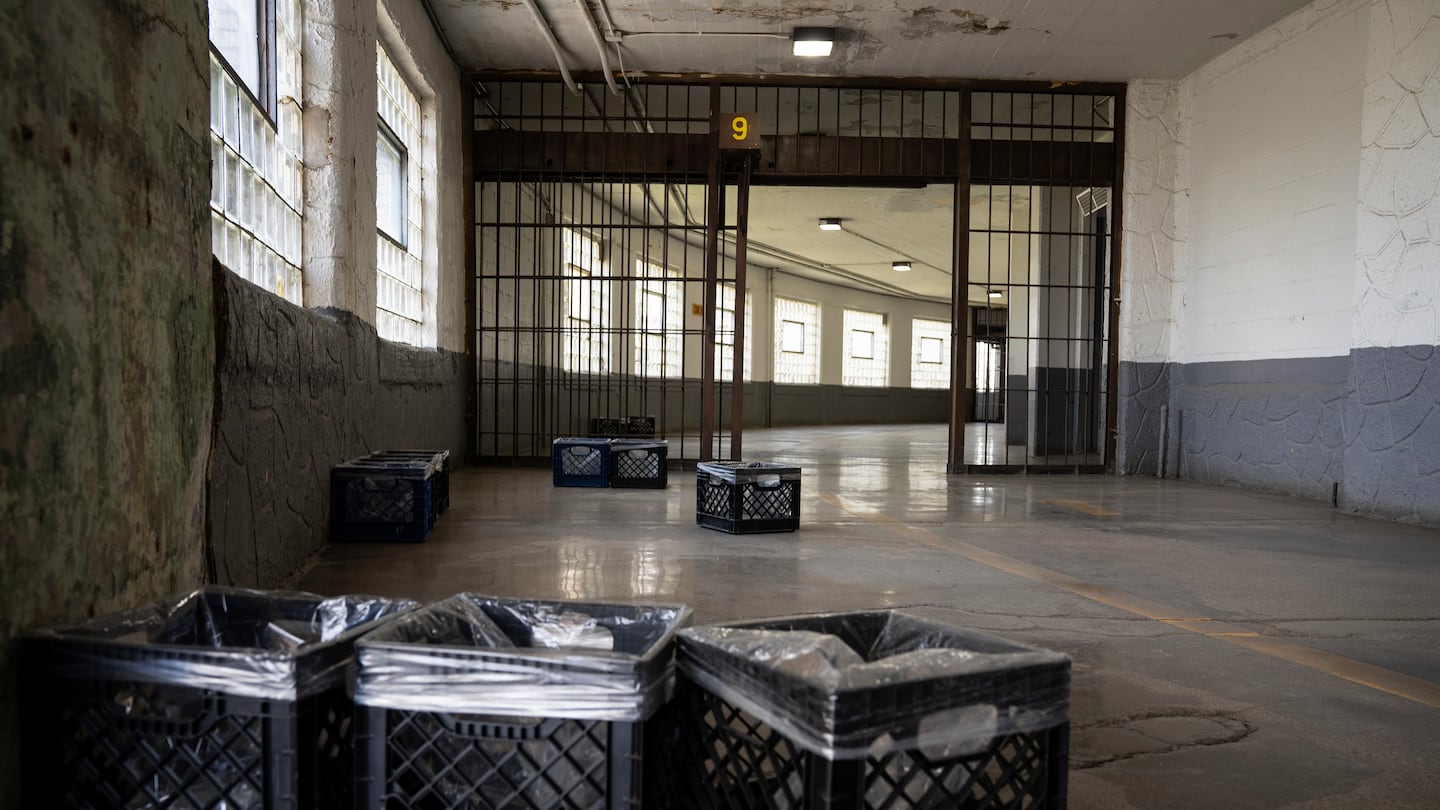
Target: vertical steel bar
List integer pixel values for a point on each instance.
(471, 337)
(713, 212)
(737, 383)
(960, 294)
(1117, 202)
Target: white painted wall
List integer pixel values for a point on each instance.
(1275, 165)
(416, 49)
(1397, 283)
(340, 116)
(1156, 227)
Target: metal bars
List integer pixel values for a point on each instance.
(640, 175)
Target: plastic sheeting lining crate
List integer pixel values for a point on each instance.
(865, 710)
(638, 463)
(581, 462)
(480, 702)
(374, 499)
(742, 497)
(217, 698)
(440, 481)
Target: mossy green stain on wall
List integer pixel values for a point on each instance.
(106, 328)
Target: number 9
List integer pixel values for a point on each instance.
(740, 128)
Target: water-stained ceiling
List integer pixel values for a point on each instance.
(1056, 40)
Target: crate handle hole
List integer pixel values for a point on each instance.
(579, 451)
(767, 481)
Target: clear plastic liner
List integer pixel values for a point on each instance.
(267, 644)
(765, 473)
(523, 658)
(848, 686)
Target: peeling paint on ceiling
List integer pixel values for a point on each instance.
(1052, 40)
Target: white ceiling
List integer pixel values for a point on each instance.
(1052, 40)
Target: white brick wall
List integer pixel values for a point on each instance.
(1274, 138)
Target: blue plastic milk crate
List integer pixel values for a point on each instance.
(581, 462)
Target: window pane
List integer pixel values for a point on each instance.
(390, 186)
(235, 33)
(930, 354)
(931, 350)
(792, 337)
(867, 349)
(862, 344)
(797, 350)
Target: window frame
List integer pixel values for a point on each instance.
(870, 369)
(385, 133)
(266, 97)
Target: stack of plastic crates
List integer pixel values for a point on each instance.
(527, 705)
(440, 481)
(741, 497)
(383, 499)
(218, 698)
(867, 710)
(639, 463)
(580, 462)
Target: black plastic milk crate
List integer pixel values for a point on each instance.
(581, 462)
(373, 499)
(743, 497)
(639, 464)
(640, 426)
(440, 481)
(607, 427)
(107, 722)
(945, 735)
(504, 739)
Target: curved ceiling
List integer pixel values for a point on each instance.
(1057, 40)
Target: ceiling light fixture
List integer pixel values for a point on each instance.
(830, 224)
(996, 294)
(901, 267)
(812, 41)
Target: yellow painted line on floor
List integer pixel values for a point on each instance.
(1358, 672)
(1082, 506)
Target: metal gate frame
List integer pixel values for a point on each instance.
(797, 159)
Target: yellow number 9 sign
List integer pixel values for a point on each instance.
(738, 130)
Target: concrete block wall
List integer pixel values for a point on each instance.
(1299, 353)
(106, 331)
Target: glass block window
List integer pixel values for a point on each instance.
(930, 354)
(725, 334)
(797, 342)
(257, 175)
(399, 303)
(659, 309)
(585, 338)
(867, 349)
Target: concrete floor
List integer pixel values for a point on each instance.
(1231, 649)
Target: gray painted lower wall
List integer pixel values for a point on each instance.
(1144, 390)
(792, 405)
(1368, 422)
(1392, 434)
(298, 391)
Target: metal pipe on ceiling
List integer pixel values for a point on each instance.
(549, 34)
(594, 30)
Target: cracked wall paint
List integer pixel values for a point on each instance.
(1343, 388)
(1392, 419)
(298, 392)
(1157, 192)
(106, 326)
(1397, 286)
